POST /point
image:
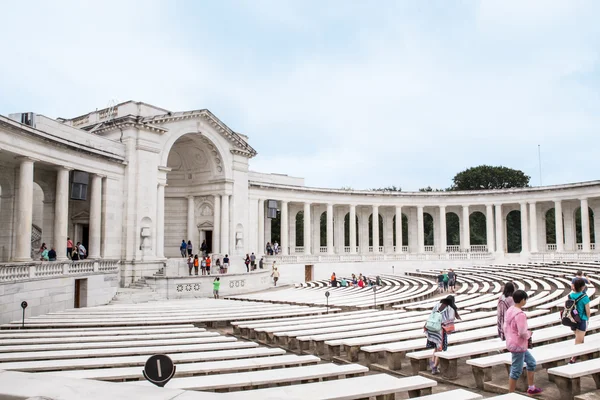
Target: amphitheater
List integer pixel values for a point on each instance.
(132, 181)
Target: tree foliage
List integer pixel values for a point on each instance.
(392, 188)
(488, 177)
(430, 189)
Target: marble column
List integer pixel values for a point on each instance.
(330, 246)
(558, 220)
(420, 231)
(216, 241)
(443, 234)
(533, 230)
(24, 210)
(524, 229)
(489, 227)
(585, 225)
(307, 230)
(466, 232)
(352, 228)
(285, 243)
(261, 226)
(225, 224)
(95, 216)
(375, 224)
(61, 213)
(499, 229)
(160, 220)
(399, 229)
(190, 224)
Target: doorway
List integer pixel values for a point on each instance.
(309, 273)
(80, 293)
(208, 237)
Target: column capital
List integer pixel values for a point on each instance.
(284, 202)
(63, 168)
(498, 204)
(191, 197)
(523, 203)
(26, 158)
(583, 199)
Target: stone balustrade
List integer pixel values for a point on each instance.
(18, 272)
(300, 258)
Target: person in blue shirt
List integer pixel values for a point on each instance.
(583, 309)
(183, 248)
(579, 275)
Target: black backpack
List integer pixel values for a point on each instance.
(569, 315)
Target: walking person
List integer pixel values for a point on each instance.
(247, 262)
(518, 338)
(275, 275)
(452, 280)
(216, 287)
(253, 261)
(190, 248)
(196, 264)
(505, 301)
(208, 265)
(445, 280)
(183, 249)
(582, 305)
(440, 280)
(579, 275)
(69, 248)
(190, 263)
(437, 328)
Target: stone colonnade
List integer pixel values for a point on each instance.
(531, 218)
(24, 212)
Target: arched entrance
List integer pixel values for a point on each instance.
(478, 230)
(404, 230)
(513, 232)
(196, 206)
(453, 230)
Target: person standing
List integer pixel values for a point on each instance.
(69, 248)
(196, 264)
(445, 280)
(225, 263)
(183, 249)
(203, 265)
(190, 248)
(52, 254)
(452, 280)
(517, 342)
(253, 261)
(204, 248)
(261, 263)
(219, 266)
(505, 301)
(216, 287)
(579, 275)
(440, 280)
(247, 263)
(190, 263)
(81, 251)
(208, 264)
(582, 305)
(438, 339)
(276, 247)
(275, 275)
(333, 280)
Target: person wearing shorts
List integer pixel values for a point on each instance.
(225, 263)
(216, 287)
(440, 280)
(583, 309)
(452, 280)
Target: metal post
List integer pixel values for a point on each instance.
(327, 299)
(23, 306)
(375, 297)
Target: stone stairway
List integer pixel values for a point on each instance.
(137, 292)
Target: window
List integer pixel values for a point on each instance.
(79, 185)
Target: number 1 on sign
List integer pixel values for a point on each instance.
(158, 367)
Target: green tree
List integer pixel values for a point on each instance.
(389, 189)
(430, 189)
(488, 177)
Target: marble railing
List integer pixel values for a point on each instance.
(299, 259)
(15, 272)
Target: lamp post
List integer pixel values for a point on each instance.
(327, 298)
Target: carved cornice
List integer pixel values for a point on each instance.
(243, 148)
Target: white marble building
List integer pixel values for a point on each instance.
(155, 177)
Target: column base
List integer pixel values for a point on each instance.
(22, 259)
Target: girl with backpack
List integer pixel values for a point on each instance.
(518, 338)
(437, 328)
(505, 301)
(582, 306)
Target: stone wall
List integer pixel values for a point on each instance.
(175, 225)
(53, 295)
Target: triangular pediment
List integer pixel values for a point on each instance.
(82, 216)
(205, 224)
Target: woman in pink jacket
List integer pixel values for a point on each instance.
(517, 342)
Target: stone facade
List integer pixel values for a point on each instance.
(157, 177)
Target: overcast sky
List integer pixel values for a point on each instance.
(344, 93)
